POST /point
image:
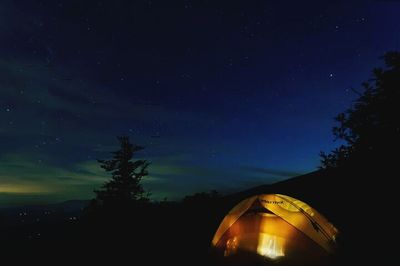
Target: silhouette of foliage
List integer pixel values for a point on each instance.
(370, 128)
(202, 197)
(125, 185)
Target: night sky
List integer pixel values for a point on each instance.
(222, 95)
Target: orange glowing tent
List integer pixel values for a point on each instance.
(276, 227)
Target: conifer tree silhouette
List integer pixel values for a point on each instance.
(125, 185)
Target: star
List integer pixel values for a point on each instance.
(360, 20)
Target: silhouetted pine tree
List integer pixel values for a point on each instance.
(125, 185)
(370, 128)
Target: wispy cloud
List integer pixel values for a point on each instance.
(271, 172)
(23, 174)
(23, 189)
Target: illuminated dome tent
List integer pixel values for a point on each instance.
(277, 227)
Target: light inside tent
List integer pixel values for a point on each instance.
(231, 246)
(270, 246)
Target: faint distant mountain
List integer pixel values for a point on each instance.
(33, 216)
(72, 205)
(66, 206)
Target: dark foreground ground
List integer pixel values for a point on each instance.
(171, 233)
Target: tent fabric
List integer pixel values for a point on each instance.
(232, 217)
(274, 220)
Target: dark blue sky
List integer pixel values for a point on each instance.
(223, 95)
